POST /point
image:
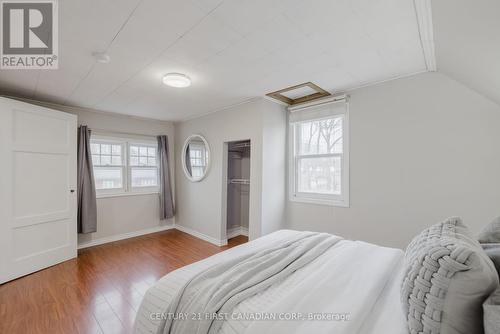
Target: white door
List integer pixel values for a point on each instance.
(37, 188)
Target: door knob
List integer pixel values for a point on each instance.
(72, 190)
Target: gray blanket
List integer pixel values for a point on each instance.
(220, 288)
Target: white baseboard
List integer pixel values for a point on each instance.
(117, 237)
(236, 231)
(230, 234)
(202, 236)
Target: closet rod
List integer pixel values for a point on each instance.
(239, 181)
(241, 145)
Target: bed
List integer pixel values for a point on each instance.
(351, 287)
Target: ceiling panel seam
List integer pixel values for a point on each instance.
(105, 50)
(154, 58)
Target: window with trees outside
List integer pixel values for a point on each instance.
(124, 166)
(319, 166)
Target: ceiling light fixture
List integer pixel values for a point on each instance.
(178, 80)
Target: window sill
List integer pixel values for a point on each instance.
(320, 201)
(127, 194)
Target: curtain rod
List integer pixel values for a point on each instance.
(104, 131)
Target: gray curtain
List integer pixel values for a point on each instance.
(87, 208)
(166, 200)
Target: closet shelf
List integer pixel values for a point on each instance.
(239, 181)
(241, 145)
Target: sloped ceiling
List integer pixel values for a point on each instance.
(467, 43)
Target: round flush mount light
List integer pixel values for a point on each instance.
(101, 57)
(178, 80)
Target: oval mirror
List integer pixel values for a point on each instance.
(195, 158)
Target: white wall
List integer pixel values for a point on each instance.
(468, 43)
(126, 214)
(422, 149)
(200, 204)
(274, 171)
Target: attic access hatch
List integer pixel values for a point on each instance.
(299, 94)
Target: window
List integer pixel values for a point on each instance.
(143, 169)
(124, 166)
(319, 155)
(107, 158)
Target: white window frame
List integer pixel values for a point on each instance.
(149, 144)
(341, 200)
(112, 141)
(127, 189)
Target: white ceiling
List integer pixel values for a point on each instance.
(467, 37)
(233, 50)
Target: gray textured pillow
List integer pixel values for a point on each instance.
(447, 278)
(491, 232)
(489, 238)
(493, 251)
(491, 308)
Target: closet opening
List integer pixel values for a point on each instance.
(238, 189)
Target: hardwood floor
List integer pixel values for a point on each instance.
(101, 290)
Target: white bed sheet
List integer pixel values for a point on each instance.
(353, 279)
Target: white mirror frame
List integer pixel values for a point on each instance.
(183, 157)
